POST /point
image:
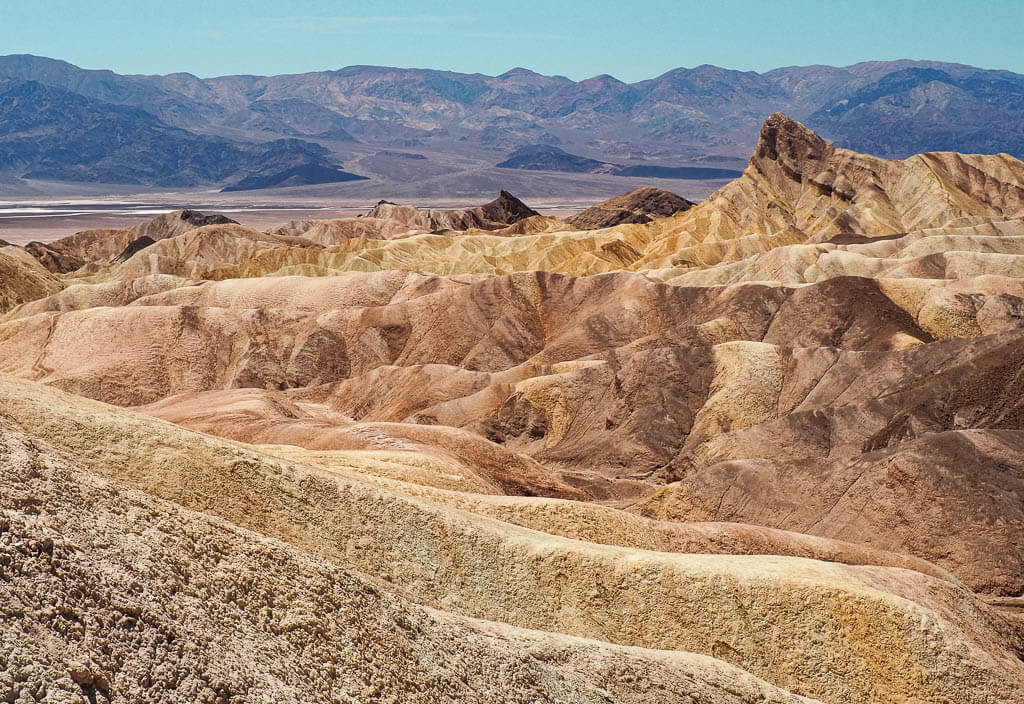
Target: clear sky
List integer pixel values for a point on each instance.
(630, 39)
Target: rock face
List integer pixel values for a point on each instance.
(639, 206)
(770, 448)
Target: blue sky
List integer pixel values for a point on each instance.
(630, 39)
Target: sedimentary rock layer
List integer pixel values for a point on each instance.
(767, 448)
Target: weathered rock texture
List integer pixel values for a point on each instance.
(794, 622)
(23, 280)
(767, 448)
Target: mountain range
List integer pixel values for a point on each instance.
(61, 122)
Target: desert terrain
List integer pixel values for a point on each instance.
(760, 444)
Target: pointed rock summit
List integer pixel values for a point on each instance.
(790, 144)
(506, 209)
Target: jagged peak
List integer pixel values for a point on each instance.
(784, 137)
(790, 143)
(507, 208)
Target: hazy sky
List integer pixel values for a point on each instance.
(630, 39)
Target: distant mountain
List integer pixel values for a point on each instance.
(47, 132)
(63, 122)
(685, 172)
(927, 109)
(542, 157)
(304, 175)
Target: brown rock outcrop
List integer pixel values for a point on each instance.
(639, 206)
(389, 220)
(504, 210)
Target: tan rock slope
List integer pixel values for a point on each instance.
(100, 608)
(22, 279)
(386, 220)
(72, 252)
(797, 623)
(766, 448)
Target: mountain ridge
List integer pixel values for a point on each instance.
(684, 116)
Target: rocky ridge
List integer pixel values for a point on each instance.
(64, 122)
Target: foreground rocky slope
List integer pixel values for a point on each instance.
(109, 609)
(930, 625)
(767, 448)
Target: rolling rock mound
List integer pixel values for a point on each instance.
(768, 448)
(639, 206)
(66, 255)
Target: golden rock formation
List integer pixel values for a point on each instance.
(770, 448)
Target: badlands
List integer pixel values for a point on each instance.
(764, 448)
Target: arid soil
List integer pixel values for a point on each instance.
(767, 448)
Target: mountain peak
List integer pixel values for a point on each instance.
(790, 143)
(506, 208)
(518, 71)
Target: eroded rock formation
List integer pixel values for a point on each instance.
(769, 448)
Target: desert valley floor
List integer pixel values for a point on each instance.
(764, 448)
